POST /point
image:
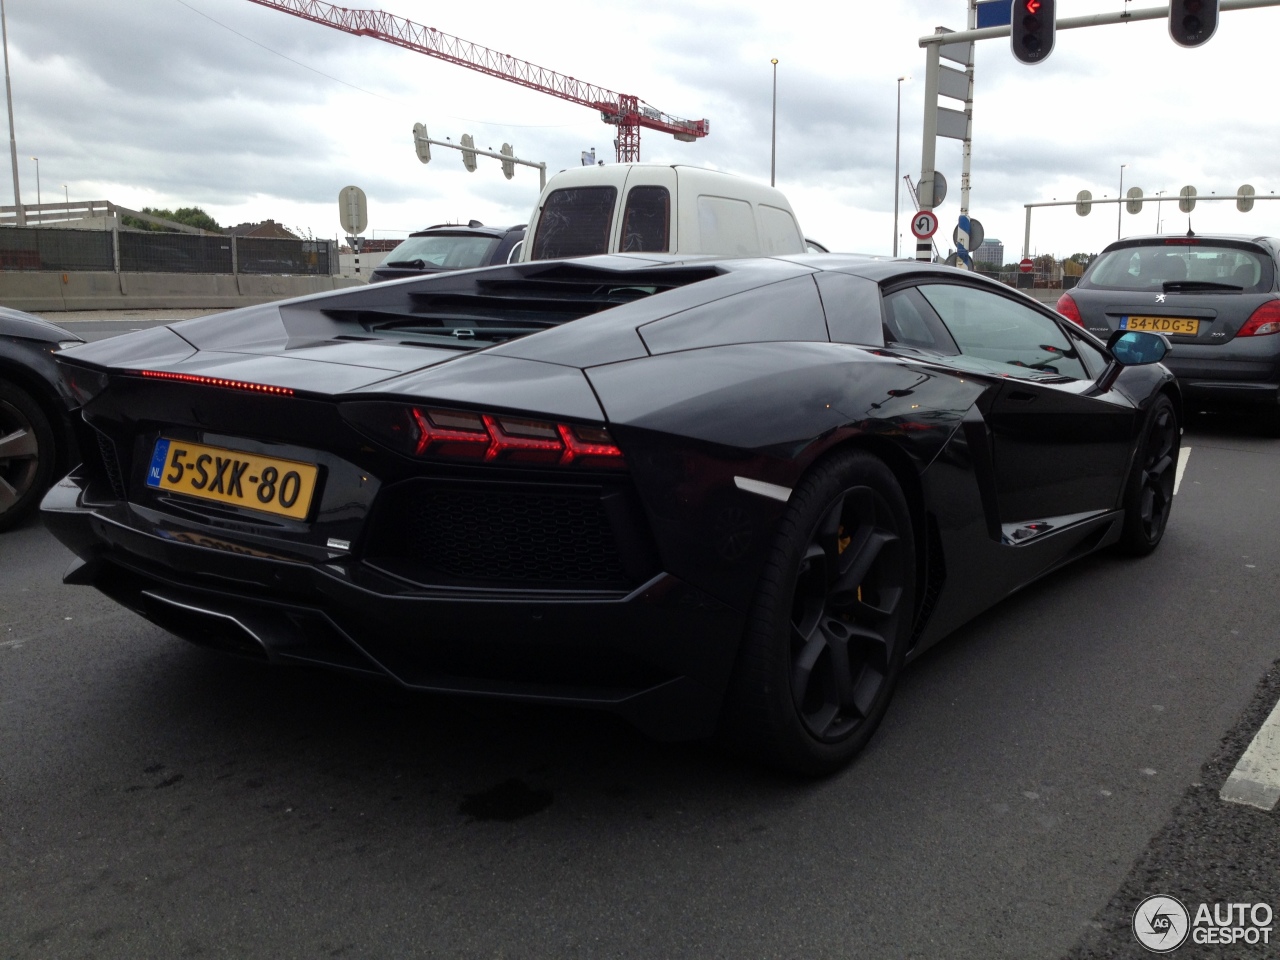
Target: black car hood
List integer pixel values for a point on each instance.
(24, 326)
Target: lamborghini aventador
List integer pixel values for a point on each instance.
(718, 497)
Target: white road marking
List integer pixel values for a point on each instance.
(1183, 454)
(1256, 779)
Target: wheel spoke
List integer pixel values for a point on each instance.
(8, 495)
(802, 671)
(18, 445)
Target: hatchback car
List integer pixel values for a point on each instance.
(447, 247)
(1215, 297)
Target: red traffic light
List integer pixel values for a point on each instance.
(1033, 6)
(1031, 35)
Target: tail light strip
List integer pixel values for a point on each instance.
(217, 382)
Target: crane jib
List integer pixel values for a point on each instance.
(627, 112)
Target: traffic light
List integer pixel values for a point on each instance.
(508, 167)
(1192, 22)
(421, 143)
(1033, 24)
(469, 152)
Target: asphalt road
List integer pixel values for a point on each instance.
(1038, 774)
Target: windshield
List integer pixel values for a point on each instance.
(1181, 262)
(442, 250)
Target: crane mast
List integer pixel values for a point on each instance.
(628, 113)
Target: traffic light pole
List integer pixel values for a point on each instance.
(1026, 236)
(541, 166)
(933, 44)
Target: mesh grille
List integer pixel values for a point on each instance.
(544, 537)
(33, 248)
(111, 465)
(153, 252)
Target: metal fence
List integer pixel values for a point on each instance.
(131, 251)
(33, 248)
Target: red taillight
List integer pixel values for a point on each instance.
(461, 435)
(1067, 307)
(1181, 242)
(217, 382)
(1264, 320)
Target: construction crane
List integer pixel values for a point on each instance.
(626, 112)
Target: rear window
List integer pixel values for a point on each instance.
(575, 222)
(646, 221)
(1150, 267)
(442, 250)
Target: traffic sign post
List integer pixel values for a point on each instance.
(924, 224)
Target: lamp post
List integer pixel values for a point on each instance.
(1120, 204)
(1159, 203)
(773, 137)
(20, 216)
(38, 214)
(897, 156)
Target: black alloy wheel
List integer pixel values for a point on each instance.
(832, 620)
(1149, 492)
(26, 454)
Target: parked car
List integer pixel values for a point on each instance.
(449, 247)
(37, 438)
(1216, 297)
(715, 495)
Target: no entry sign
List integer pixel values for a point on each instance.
(1026, 265)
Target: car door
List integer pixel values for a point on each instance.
(1060, 447)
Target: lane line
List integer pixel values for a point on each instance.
(1183, 455)
(1256, 779)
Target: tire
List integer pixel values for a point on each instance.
(27, 454)
(1148, 496)
(830, 625)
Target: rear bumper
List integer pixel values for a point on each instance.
(660, 656)
(1208, 378)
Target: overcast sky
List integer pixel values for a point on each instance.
(251, 113)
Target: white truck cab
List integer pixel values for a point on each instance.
(652, 208)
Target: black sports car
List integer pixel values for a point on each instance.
(730, 496)
(37, 434)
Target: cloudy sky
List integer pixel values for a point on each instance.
(251, 113)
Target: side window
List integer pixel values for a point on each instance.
(1003, 332)
(646, 221)
(852, 305)
(909, 321)
(727, 227)
(778, 231)
(575, 222)
(1094, 359)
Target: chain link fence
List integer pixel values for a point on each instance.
(70, 250)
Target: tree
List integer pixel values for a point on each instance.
(191, 216)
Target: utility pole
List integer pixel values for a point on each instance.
(20, 214)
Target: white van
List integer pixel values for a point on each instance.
(651, 208)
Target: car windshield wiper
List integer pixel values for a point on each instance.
(1182, 286)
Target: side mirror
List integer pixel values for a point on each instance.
(1133, 348)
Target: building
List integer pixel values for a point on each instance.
(991, 251)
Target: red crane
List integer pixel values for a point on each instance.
(626, 112)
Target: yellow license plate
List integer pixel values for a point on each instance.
(281, 487)
(1162, 325)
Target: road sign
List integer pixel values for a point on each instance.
(1084, 203)
(1026, 264)
(421, 143)
(1134, 203)
(994, 13)
(976, 234)
(1187, 203)
(468, 153)
(1244, 198)
(353, 210)
(924, 224)
(939, 189)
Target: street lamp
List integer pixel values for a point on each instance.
(897, 156)
(37, 160)
(773, 138)
(1120, 202)
(1159, 201)
(19, 215)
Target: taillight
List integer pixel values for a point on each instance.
(1067, 307)
(1264, 320)
(433, 433)
(217, 382)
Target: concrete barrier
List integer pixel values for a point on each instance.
(46, 291)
